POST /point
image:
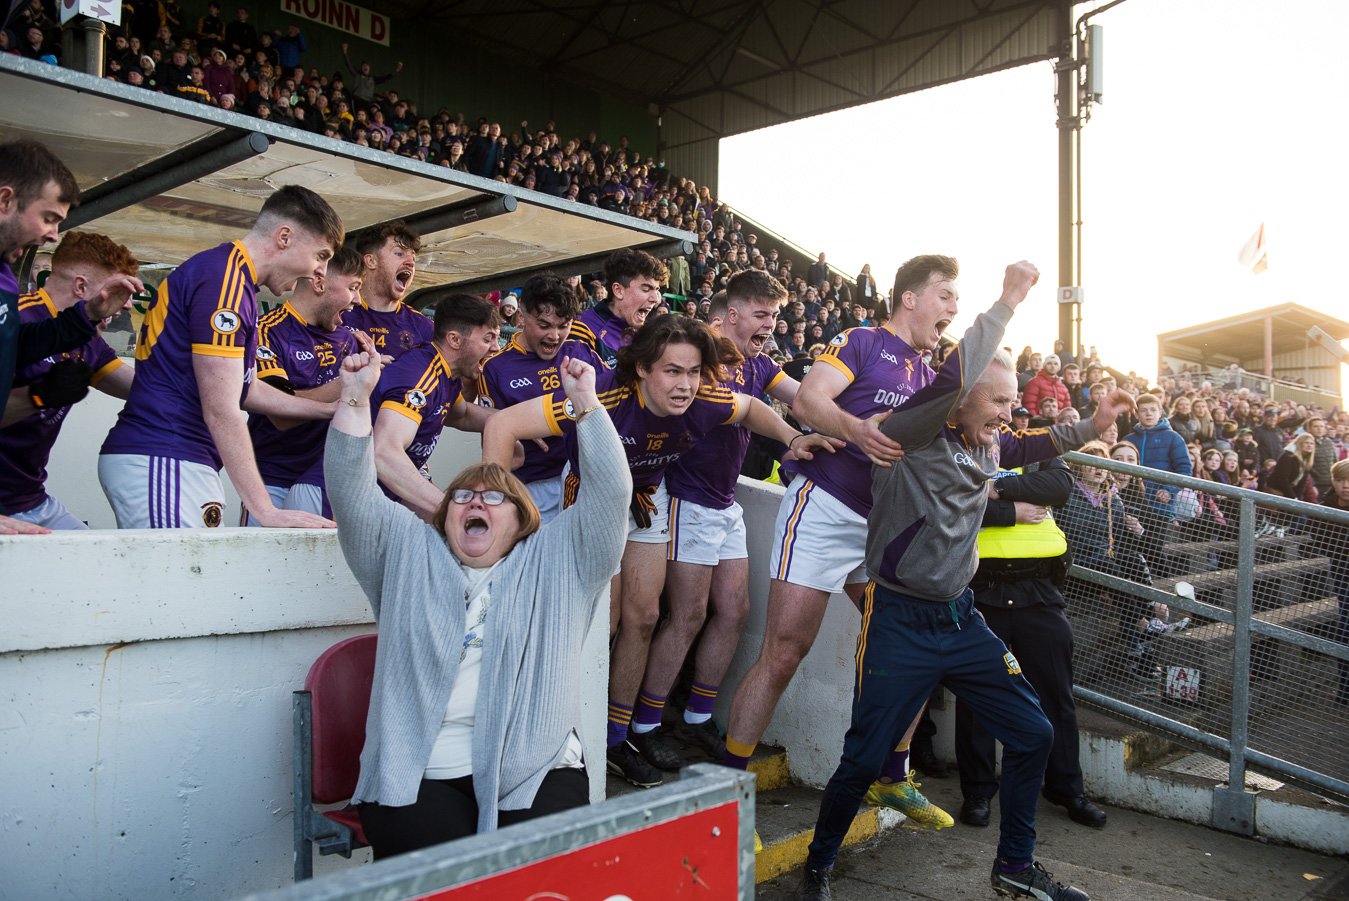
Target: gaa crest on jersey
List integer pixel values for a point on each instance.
(226, 322)
(839, 340)
(568, 409)
(265, 352)
(1013, 667)
(415, 399)
(212, 514)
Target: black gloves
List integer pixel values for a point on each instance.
(66, 383)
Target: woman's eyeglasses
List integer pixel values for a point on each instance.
(490, 496)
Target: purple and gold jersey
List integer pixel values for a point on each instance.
(883, 372)
(707, 474)
(207, 306)
(600, 333)
(290, 348)
(515, 375)
(651, 442)
(420, 386)
(395, 332)
(26, 445)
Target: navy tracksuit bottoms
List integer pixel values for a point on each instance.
(906, 647)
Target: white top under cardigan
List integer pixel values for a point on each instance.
(550, 584)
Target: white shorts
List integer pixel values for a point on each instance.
(161, 492)
(659, 531)
(51, 514)
(547, 495)
(308, 498)
(817, 541)
(705, 535)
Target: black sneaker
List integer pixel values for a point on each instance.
(626, 761)
(706, 738)
(657, 749)
(928, 764)
(814, 885)
(1080, 810)
(1034, 882)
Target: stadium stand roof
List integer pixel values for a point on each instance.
(169, 178)
(711, 69)
(1243, 336)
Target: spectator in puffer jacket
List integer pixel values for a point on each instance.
(1046, 383)
(1159, 447)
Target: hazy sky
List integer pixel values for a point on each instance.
(1217, 116)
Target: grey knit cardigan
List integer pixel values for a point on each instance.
(544, 594)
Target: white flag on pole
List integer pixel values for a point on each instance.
(1254, 255)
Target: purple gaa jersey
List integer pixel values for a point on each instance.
(394, 332)
(883, 372)
(290, 348)
(600, 333)
(207, 306)
(651, 442)
(515, 375)
(707, 474)
(420, 386)
(26, 445)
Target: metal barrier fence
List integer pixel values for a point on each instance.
(690, 838)
(1217, 616)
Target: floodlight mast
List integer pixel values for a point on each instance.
(1079, 78)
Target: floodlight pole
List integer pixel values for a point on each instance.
(1065, 70)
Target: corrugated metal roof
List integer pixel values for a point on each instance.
(715, 69)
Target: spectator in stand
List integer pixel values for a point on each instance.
(1159, 447)
(1046, 383)
(240, 35)
(363, 79)
(866, 286)
(1268, 436)
(1182, 418)
(210, 27)
(818, 272)
(1024, 376)
(1292, 475)
(1326, 455)
(1333, 541)
(218, 77)
(290, 47)
(1205, 432)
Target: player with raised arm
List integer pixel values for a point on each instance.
(919, 624)
(422, 392)
(820, 533)
(301, 345)
(49, 388)
(195, 356)
(633, 279)
(390, 256)
(663, 397)
(526, 368)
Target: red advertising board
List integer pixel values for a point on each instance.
(695, 856)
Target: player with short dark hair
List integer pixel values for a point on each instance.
(301, 345)
(48, 389)
(195, 369)
(527, 368)
(633, 279)
(390, 255)
(422, 392)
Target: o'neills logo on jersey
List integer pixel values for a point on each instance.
(225, 321)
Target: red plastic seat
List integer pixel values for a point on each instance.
(329, 725)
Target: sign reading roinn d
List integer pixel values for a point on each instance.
(343, 16)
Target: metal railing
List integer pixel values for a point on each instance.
(1218, 619)
(697, 832)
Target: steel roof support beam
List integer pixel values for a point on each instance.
(450, 216)
(197, 160)
(578, 266)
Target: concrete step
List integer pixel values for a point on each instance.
(1136, 856)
